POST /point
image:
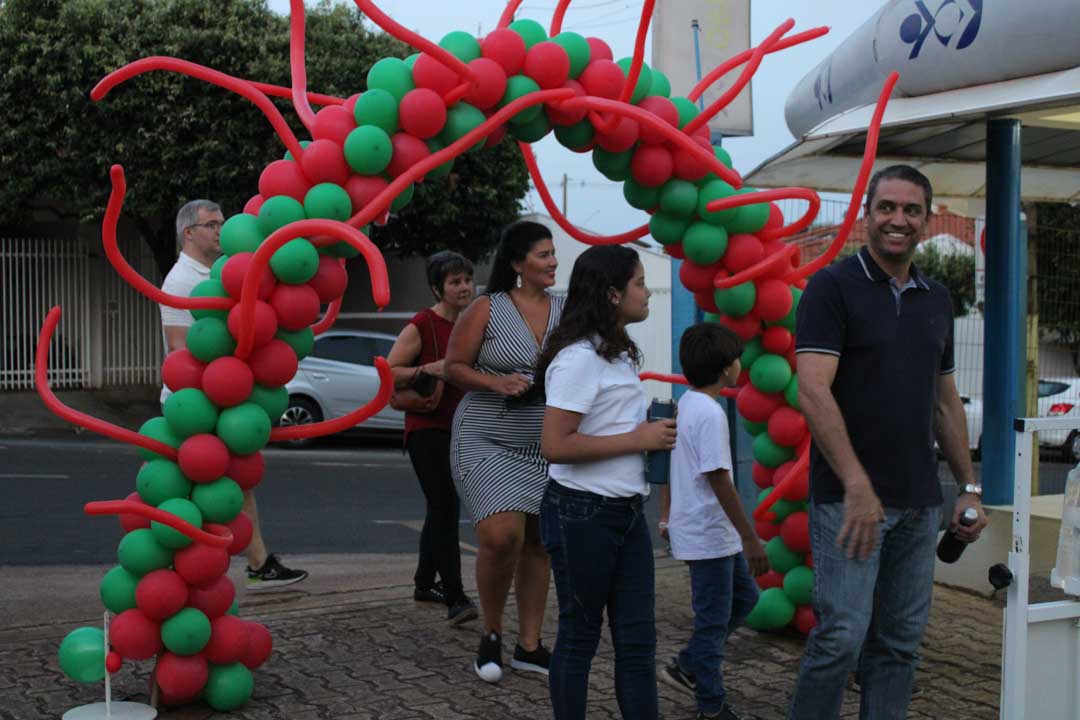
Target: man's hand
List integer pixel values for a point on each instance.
(968, 533)
(862, 515)
(754, 552)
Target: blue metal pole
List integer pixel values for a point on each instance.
(1003, 354)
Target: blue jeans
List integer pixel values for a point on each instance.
(879, 605)
(723, 594)
(601, 556)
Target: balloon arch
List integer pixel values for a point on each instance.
(284, 257)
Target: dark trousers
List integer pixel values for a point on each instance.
(429, 451)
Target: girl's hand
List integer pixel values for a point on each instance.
(656, 435)
(510, 385)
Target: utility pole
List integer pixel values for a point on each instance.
(564, 183)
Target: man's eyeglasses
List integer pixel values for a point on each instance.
(212, 225)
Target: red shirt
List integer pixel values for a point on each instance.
(443, 416)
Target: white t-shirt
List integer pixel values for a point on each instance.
(611, 399)
(698, 527)
(181, 280)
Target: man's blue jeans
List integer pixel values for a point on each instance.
(723, 594)
(601, 556)
(879, 605)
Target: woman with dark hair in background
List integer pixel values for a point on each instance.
(420, 352)
(496, 439)
(592, 520)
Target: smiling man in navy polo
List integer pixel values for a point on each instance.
(876, 383)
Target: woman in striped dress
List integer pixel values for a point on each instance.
(495, 445)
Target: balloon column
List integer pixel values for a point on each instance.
(258, 314)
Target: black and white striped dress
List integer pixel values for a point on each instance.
(495, 450)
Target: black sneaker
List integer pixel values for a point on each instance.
(433, 594)
(536, 661)
(678, 678)
(488, 663)
(461, 610)
(272, 575)
(726, 713)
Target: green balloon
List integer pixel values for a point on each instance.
(218, 501)
(209, 288)
(342, 249)
(228, 687)
(279, 211)
(295, 262)
(411, 60)
(644, 81)
(724, 157)
(118, 590)
(613, 165)
(770, 374)
(244, 428)
(368, 150)
(403, 198)
(392, 75)
(183, 509)
(379, 108)
(530, 31)
(273, 400)
(773, 610)
(518, 86)
(158, 429)
(736, 301)
(532, 131)
(754, 428)
(435, 145)
(234, 609)
(679, 197)
(301, 341)
(799, 585)
(711, 317)
(639, 196)
(781, 558)
(288, 153)
(687, 110)
(660, 84)
(160, 480)
(667, 229)
(791, 392)
(703, 243)
(577, 49)
(216, 268)
(788, 321)
(768, 453)
(209, 338)
(782, 508)
(714, 190)
(140, 553)
(190, 412)
(575, 137)
(462, 119)
(752, 350)
(461, 45)
(241, 233)
(327, 200)
(749, 218)
(82, 655)
(186, 632)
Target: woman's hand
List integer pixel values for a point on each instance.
(656, 435)
(435, 368)
(510, 385)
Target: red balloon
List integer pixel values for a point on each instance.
(246, 470)
(350, 104)
(548, 64)
(776, 218)
(363, 189)
(242, 530)
(181, 677)
(234, 271)
(274, 363)
(113, 661)
(675, 250)
(254, 204)
(698, 278)
(422, 113)
(602, 78)
(795, 531)
(490, 85)
(283, 177)
(770, 579)
(705, 300)
(781, 471)
(227, 381)
(201, 565)
(134, 635)
(558, 116)
(131, 521)
(429, 73)
(798, 489)
(651, 165)
(408, 151)
(747, 327)
(787, 426)
(755, 405)
(761, 475)
(808, 560)
(265, 323)
(773, 300)
(203, 458)
(161, 594)
(774, 246)
(598, 49)
(214, 600)
(743, 250)
(324, 162)
(792, 358)
(766, 530)
(229, 640)
(621, 138)
(776, 340)
(330, 279)
(333, 122)
(496, 136)
(805, 620)
(296, 306)
(182, 370)
(687, 165)
(259, 646)
(505, 47)
(663, 109)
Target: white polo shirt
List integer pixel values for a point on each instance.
(181, 280)
(611, 399)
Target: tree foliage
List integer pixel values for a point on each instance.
(956, 271)
(179, 138)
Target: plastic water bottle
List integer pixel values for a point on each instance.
(1066, 572)
(658, 462)
(951, 547)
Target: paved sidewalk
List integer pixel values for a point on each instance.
(343, 653)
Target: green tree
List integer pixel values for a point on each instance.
(180, 138)
(956, 271)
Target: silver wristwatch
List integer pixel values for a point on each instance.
(971, 488)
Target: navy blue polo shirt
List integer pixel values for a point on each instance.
(893, 344)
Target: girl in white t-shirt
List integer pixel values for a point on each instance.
(592, 522)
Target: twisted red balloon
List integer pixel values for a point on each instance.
(557, 18)
(130, 507)
(297, 65)
(636, 62)
(736, 60)
(678, 380)
(329, 427)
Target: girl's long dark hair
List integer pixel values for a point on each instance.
(514, 244)
(589, 311)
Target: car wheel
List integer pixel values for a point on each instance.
(301, 411)
(1071, 451)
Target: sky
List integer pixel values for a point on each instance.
(594, 202)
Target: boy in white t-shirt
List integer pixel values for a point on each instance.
(705, 522)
